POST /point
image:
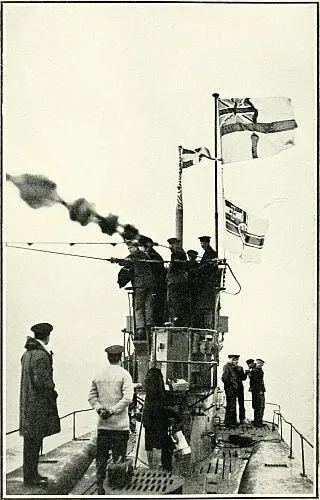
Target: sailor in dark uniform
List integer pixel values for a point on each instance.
(241, 376)
(258, 392)
(143, 283)
(193, 286)
(206, 302)
(159, 273)
(177, 285)
(251, 364)
(230, 381)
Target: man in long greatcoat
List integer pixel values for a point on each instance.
(258, 392)
(143, 283)
(230, 381)
(38, 407)
(207, 296)
(159, 273)
(177, 285)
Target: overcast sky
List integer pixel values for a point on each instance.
(98, 97)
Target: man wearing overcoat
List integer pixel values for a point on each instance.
(258, 392)
(38, 408)
(230, 381)
(177, 285)
(207, 295)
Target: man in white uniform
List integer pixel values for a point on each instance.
(110, 395)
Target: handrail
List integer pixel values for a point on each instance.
(73, 413)
(302, 439)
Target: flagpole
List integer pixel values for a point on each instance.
(179, 207)
(216, 216)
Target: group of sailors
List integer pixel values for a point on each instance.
(183, 294)
(232, 377)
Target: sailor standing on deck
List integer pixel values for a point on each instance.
(258, 392)
(230, 381)
(143, 283)
(251, 364)
(207, 297)
(38, 407)
(241, 376)
(177, 285)
(159, 273)
(193, 286)
(110, 395)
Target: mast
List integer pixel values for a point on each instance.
(179, 207)
(216, 214)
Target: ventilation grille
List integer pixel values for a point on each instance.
(151, 482)
(275, 465)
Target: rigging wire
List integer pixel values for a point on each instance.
(112, 260)
(58, 253)
(229, 293)
(112, 243)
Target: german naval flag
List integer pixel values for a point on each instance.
(245, 233)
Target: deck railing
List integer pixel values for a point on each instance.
(72, 413)
(276, 413)
(280, 419)
(303, 439)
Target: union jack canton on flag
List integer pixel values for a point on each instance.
(255, 127)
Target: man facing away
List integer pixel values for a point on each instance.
(110, 395)
(258, 392)
(38, 408)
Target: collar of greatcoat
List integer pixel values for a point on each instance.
(43, 345)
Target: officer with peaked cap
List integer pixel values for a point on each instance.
(177, 285)
(258, 392)
(230, 381)
(208, 278)
(143, 284)
(38, 407)
(241, 376)
(110, 395)
(193, 286)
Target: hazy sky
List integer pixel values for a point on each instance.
(98, 97)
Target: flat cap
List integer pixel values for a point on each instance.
(173, 240)
(205, 238)
(114, 349)
(42, 328)
(250, 360)
(145, 239)
(235, 356)
(192, 252)
(261, 360)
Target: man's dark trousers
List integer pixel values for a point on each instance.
(108, 440)
(242, 411)
(231, 413)
(31, 450)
